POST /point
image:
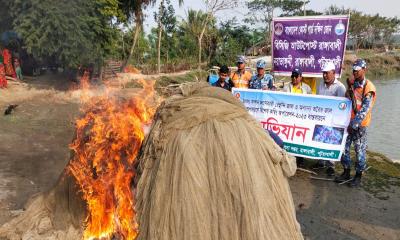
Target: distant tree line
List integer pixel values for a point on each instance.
(72, 33)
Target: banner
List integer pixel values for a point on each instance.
(310, 126)
(307, 43)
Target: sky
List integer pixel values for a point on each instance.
(387, 8)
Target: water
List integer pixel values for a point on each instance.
(384, 132)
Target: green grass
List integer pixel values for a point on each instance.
(378, 64)
(381, 178)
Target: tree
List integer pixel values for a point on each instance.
(212, 7)
(134, 9)
(234, 39)
(263, 11)
(165, 18)
(68, 32)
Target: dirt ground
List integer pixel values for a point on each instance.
(34, 150)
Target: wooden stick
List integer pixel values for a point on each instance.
(323, 179)
(307, 171)
(12, 79)
(345, 181)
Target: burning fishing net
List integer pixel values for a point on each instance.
(93, 198)
(207, 170)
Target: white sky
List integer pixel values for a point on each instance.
(388, 8)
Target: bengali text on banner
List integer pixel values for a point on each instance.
(310, 126)
(308, 43)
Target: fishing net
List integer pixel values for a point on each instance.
(208, 170)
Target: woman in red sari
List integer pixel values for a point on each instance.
(8, 63)
(3, 80)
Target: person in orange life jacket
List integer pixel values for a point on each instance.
(241, 77)
(363, 94)
(223, 80)
(298, 87)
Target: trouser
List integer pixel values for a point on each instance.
(18, 70)
(3, 82)
(359, 139)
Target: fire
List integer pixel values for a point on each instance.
(108, 138)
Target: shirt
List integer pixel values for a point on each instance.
(336, 89)
(304, 89)
(226, 86)
(264, 82)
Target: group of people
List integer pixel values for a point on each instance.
(243, 78)
(9, 66)
(360, 90)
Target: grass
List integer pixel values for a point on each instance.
(382, 176)
(379, 64)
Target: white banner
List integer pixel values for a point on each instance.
(310, 126)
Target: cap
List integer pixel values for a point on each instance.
(328, 67)
(261, 64)
(296, 71)
(224, 69)
(359, 64)
(241, 59)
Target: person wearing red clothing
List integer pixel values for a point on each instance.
(8, 64)
(3, 80)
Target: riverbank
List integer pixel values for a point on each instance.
(35, 151)
(380, 64)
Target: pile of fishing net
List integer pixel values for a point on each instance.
(206, 170)
(209, 171)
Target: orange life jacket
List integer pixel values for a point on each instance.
(241, 80)
(359, 94)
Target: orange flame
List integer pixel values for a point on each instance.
(107, 141)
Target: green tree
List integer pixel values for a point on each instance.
(133, 9)
(166, 21)
(233, 40)
(212, 7)
(69, 32)
(263, 11)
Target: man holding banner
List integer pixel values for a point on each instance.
(363, 94)
(330, 86)
(297, 86)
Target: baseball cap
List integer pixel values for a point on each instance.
(296, 72)
(261, 64)
(241, 59)
(328, 67)
(359, 64)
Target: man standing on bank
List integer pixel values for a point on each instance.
(363, 94)
(223, 80)
(330, 86)
(262, 80)
(241, 77)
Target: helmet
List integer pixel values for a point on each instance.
(241, 59)
(359, 64)
(261, 64)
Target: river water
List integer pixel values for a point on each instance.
(384, 132)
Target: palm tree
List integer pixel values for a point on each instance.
(134, 8)
(197, 23)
